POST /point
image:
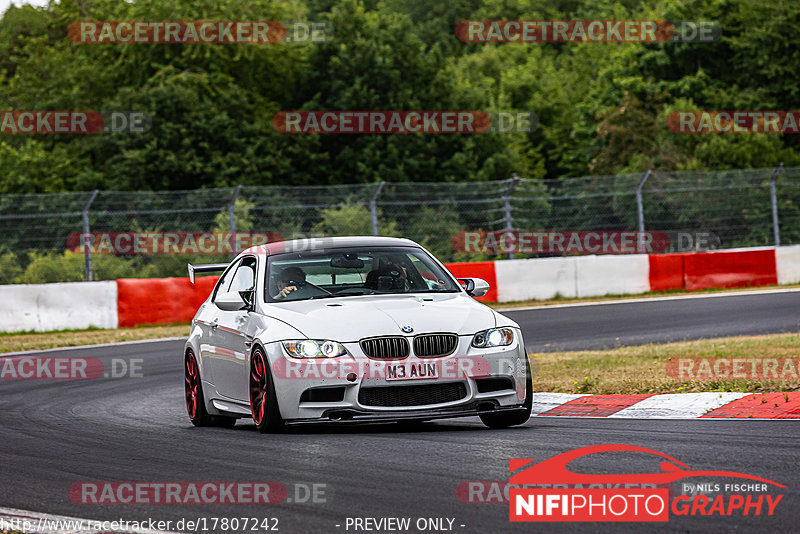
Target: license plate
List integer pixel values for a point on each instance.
(411, 371)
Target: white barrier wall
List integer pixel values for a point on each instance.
(596, 276)
(44, 307)
(539, 279)
(787, 263)
(577, 276)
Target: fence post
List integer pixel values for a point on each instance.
(776, 230)
(640, 212)
(373, 208)
(232, 216)
(87, 250)
(508, 217)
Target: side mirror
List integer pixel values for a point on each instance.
(230, 301)
(475, 287)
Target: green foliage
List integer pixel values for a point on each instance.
(45, 268)
(70, 266)
(10, 269)
(601, 108)
(351, 219)
(33, 167)
(434, 228)
(242, 212)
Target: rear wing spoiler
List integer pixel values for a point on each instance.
(206, 268)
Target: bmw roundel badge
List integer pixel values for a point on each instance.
(407, 329)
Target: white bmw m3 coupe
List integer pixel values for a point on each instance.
(350, 330)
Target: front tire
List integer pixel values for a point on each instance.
(263, 400)
(195, 401)
(505, 420)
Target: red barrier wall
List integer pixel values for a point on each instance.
(160, 300)
(175, 300)
(666, 272)
(730, 269)
(478, 269)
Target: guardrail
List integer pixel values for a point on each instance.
(131, 301)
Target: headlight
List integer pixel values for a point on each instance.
(314, 348)
(494, 337)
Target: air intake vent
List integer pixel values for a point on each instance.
(433, 345)
(419, 395)
(485, 385)
(385, 348)
(334, 394)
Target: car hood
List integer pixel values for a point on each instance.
(349, 319)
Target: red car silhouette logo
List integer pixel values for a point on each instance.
(554, 470)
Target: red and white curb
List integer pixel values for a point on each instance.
(713, 405)
(14, 520)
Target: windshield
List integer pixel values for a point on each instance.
(344, 272)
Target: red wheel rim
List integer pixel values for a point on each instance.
(258, 387)
(192, 385)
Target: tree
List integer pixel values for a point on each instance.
(351, 219)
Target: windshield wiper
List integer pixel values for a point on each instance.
(350, 293)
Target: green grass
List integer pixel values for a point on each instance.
(20, 341)
(642, 369)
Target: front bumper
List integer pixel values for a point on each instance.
(505, 364)
(351, 416)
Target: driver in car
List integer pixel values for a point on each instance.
(288, 280)
(395, 275)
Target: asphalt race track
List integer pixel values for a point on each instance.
(603, 326)
(58, 433)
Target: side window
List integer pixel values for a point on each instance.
(225, 281)
(428, 278)
(422, 269)
(245, 277)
